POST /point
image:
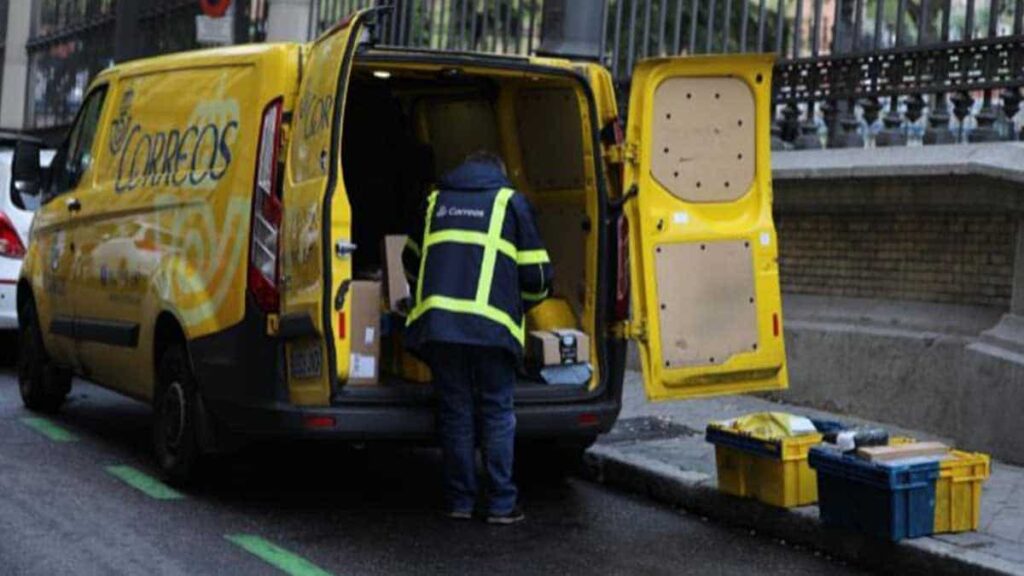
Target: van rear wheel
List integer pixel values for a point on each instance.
(175, 437)
(43, 386)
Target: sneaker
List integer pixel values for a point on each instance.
(512, 517)
(459, 514)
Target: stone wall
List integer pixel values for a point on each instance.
(921, 256)
(903, 283)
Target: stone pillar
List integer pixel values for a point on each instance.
(572, 29)
(1008, 333)
(15, 84)
(288, 20)
(127, 40)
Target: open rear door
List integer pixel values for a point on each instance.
(707, 311)
(316, 266)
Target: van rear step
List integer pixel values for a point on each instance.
(401, 392)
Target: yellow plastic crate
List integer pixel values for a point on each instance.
(958, 491)
(774, 472)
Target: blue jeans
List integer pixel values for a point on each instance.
(475, 387)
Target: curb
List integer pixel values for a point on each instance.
(698, 493)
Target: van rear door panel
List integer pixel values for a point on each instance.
(316, 266)
(706, 304)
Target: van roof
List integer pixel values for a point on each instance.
(249, 52)
(383, 52)
(209, 56)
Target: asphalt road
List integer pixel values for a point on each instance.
(66, 508)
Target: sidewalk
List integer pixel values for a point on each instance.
(659, 450)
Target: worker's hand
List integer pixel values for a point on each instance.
(405, 306)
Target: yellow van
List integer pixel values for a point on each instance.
(210, 211)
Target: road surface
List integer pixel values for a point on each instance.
(78, 495)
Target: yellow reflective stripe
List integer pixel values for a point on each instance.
(526, 257)
(431, 201)
(507, 248)
(412, 245)
(461, 306)
(460, 236)
(483, 287)
(534, 296)
(470, 237)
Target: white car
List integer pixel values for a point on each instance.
(15, 221)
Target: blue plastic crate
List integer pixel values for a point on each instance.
(888, 501)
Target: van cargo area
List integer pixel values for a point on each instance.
(406, 124)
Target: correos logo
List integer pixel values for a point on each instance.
(444, 211)
(195, 154)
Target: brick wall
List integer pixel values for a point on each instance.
(934, 257)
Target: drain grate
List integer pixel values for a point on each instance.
(647, 428)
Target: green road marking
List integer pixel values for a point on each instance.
(144, 483)
(49, 429)
(276, 556)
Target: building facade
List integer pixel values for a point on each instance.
(70, 41)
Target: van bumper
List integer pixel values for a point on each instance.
(364, 422)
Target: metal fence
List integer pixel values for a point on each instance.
(500, 26)
(850, 72)
(73, 40)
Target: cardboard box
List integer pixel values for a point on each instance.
(396, 286)
(396, 359)
(364, 309)
(890, 453)
(557, 347)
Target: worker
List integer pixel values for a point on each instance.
(477, 264)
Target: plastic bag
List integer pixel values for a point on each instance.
(772, 425)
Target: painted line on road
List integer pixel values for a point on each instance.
(144, 483)
(276, 556)
(49, 429)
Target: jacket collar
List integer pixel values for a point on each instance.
(474, 176)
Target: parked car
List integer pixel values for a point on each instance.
(16, 211)
(208, 215)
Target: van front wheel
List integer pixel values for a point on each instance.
(43, 386)
(174, 428)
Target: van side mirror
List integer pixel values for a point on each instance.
(27, 178)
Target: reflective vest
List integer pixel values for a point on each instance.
(477, 265)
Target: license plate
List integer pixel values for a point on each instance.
(306, 361)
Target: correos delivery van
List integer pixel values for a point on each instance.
(211, 213)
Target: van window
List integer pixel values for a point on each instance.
(76, 155)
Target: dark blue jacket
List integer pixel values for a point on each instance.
(475, 262)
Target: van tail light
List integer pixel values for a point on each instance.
(622, 270)
(10, 242)
(264, 260)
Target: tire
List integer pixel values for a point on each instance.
(43, 386)
(175, 433)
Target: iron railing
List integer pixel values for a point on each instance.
(849, 73)
(499, 26)
(72, 40)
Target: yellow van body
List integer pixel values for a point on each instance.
(211, 200)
